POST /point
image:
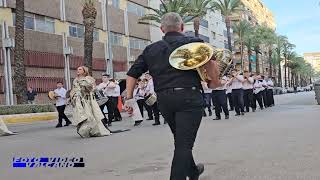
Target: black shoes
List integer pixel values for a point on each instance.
(68, 123)
(242, 113)
(137, 123)
(150, 119)
(200, 168)
(217, 118)
(59, 125)
(227, 117)
(237, 114)
(156, 124)
(210, 113)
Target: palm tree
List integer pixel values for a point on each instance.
(287, 48)
(280, 40)
(269, 39)
(247, 40)
(242, 29)
(198, 8)
(227, 8)
(257, 40)
(182, 7)
(89, 14)
(20, 70)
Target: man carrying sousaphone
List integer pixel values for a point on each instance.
(178, 93)
(59, 95)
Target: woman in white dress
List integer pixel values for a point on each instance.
(87, 115)
(4, 131)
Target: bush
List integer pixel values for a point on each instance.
(25, 109)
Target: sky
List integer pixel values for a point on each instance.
(299, 20)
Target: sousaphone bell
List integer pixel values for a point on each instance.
(196, 55)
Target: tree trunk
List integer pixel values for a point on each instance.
(20, 70)
(249, 60)
(241, 56)
(279, 73)
(285, 71)
(196, 26)
(228, 25)
(256, 49)
(270, 62)
(89, 14)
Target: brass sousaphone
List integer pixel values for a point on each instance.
(196, 55)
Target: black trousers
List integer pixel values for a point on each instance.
(154, 111)
(230, 98)
(270, 97)
(264, 98)
(248, 98)
(182, 110)
(220, 101)
(116, 111)
(141, 104)
(61, 114)
(257, 97)
(110, 107)
(237, 96)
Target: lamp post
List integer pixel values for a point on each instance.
(67, 52)
(8, 44)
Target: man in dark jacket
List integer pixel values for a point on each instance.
(179, 93)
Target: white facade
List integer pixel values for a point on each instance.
(212, 28)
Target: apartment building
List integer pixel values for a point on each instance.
(54, 33)
(314, 59)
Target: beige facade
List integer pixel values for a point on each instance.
(314, 59)
(46, 23)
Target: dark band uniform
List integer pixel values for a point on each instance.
(179, 97)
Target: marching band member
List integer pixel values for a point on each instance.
(60, 95)
(114, 95)
(154, 110)
(207, 98)
(264, 92)
(139, 94)
(106, 86)
(248, 90)
(229, 93)
(257, 93)
(237, 92)
(270, 97)
(220, 99)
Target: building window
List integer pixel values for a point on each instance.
(36, 22)
(213, 35)
(116, 4)
(136, 9)
(116, 39)
(204, 23)
(136, 43)
(77, 30)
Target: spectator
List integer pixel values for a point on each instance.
(31, 95)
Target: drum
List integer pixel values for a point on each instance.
(52, 95)
(150, 99)
(101, 98)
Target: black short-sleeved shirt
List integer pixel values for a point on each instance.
(155, 58)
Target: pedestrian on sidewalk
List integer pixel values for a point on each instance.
(31, 95)
(178, 92)
(61, 100)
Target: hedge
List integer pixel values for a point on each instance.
(26, 108)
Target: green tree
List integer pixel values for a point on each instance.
(280, 40)
(89, 14)
(182, 7)
(243, 30)
(198, 9)
(227, 9)
(269, 39)
(287, 50)
(257, 40)
(20, 70)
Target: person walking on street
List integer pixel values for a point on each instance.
(237, 92)
(270, 97)
(229, 93)
(220, 99)
(115, 98)
(139, 94)
(207, 98)
(153, 110)
(178, 92)
(248, 90)
(257, 93)
(264, 92)
(60, 94)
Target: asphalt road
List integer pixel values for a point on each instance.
(279, 143)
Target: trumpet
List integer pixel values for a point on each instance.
(196, 55)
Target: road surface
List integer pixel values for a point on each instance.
(279, 143)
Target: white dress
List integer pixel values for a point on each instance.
(87, 115)
(4, 131)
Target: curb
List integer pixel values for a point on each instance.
(28, 118)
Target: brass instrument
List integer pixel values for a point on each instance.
(196, 55)
(52, 95)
